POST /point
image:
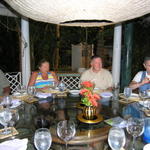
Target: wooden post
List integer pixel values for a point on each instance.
(57, 57)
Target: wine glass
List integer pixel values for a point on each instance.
(31, 90)
(142, 95)
(7, 101)
(127, 92)
(66, 130)
(115, 89)
(135, 127)
(61, 87)
(5, 118)
(54, 85)
(116, 138)
(42, 139)
(22, 89)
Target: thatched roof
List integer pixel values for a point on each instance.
(81, 12)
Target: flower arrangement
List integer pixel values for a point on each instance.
(88, 97)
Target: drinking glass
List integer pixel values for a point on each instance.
(135, 127)
(115, 89)
(22, 89)
(7, 101)
(66, 130)
(31, 90)
(5, 118)
(143, 95)
(42, 139)
(116, 138)
(54, 85)
(61, 87)
(127, 92)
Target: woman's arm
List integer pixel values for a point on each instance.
(33, 79)
(55, 76)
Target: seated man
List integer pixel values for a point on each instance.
(101, 77)
(4, 85)
(142, 78)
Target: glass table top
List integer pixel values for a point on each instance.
(48, 112)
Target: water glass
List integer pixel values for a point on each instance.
(5, 118)
(116, 138)
(31, 90)
(66, 130)
(127, 92)
(22, 89)
(143, 95)
(135, 127)
(62, 87)
(42, 139)
(7, 101)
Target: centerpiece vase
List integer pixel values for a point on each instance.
(89, 112)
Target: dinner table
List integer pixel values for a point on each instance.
(47, 112)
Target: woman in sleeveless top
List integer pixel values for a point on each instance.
(43, 78)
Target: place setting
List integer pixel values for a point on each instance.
(128, 96)
(25, 94)
(59, 89)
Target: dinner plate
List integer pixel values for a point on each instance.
(74, 92)
(144, 103)
(14, 103)
(106, 94)
(133, 97)
(17, 94)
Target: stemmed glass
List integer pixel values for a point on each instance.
(127, 92)
(22, 89)
(66, 130)
(135, 127)
(116, 138)
(31, 90)
(62, 87)
(7, 101)
(5, 117)
(42, 139)
(142, 95)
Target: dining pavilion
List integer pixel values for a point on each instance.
(79, 13)
(88, 133)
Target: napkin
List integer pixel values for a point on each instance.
(43, 95)
(16, 144)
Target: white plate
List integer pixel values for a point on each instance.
(134, 96)
(15, 103)
(74, 92)
(144, 103)
(17, 94)
(146, 147)
(106, 94)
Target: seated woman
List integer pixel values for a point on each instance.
(43, 78)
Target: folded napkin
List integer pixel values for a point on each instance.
(16, 144)
(43, 95)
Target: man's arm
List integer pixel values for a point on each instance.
(6, 91)
(134, 85)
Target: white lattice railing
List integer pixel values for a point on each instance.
(71, 80)
(14, 79)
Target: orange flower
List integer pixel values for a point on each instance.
(87, 84)
(89, 98)
(83, 91)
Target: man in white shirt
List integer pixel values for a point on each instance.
(142, 78)
(101, 77)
